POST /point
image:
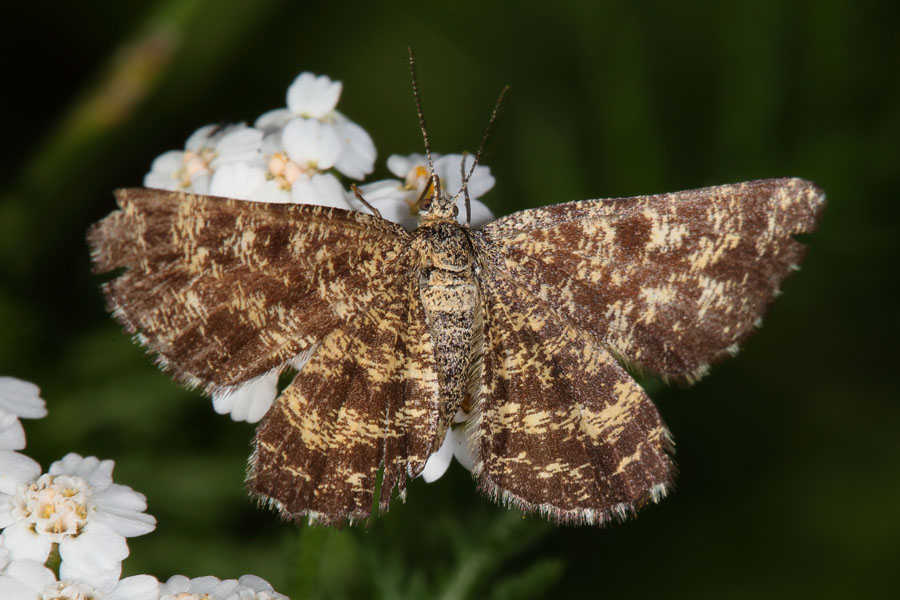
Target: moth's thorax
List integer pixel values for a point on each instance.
(449, 292)
(444, 245)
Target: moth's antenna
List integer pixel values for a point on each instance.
(435, 182)
(481, 145)
(365, 202)
(465, 188)
(484, 139)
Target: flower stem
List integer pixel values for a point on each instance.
(54, 560)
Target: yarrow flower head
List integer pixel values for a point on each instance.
(76, 506)
(30, 580)
(248, 587)
(209, 148)
(312, 97)
(75, 513)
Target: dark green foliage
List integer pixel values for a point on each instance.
(789, 454)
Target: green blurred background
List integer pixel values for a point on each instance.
(789, 454)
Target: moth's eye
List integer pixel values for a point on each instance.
(426, 204)
(455, 211)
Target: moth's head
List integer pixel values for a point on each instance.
(435, 206)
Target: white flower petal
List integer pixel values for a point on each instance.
(200, 139)
(119, 498)
(250, 401)
(8, 514)
(357, 158)
(389, 197)
(237, 180)
(176, 584)
(24, 580)
(437, 463)
(271, 191)
(21, 398)
(274, 120)
(448, 169)
(322, 189)
(206, 584)
(396, 212)
(309, 142)
(16, 468)
(223, 402)
(23, 543)
(256, 583)
(93, 553)
(313, 97)
(481, 182)
(200, 183)
(260, 405)
(96, 472)
(401, 165)
(13, 589)
(383, 189)
(103, 581)
(4, 556)
(136, 587)
(240, 144)
(462, 450)
(481, 214)
(12, 434)
(128, 524)
(273, 143)
(226, 589)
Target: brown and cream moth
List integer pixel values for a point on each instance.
(531, 318)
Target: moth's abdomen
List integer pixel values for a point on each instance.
(450, 299)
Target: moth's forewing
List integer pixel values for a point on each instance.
(223, 290)
(669, 283)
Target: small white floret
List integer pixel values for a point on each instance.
(30, 580)
(76, 506)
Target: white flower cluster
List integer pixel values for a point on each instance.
(63, 531)
(300, 154)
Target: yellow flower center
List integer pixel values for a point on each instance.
(285, 171)
(56, 505)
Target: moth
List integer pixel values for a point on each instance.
(527, 323)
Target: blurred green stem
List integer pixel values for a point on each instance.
(312, 541)
(176, 46)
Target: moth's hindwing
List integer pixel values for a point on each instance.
(560, 428)
(369, 396)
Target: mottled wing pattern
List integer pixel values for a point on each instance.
(559, 426)
(369, 396)
(669, 283)
(226, 290)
